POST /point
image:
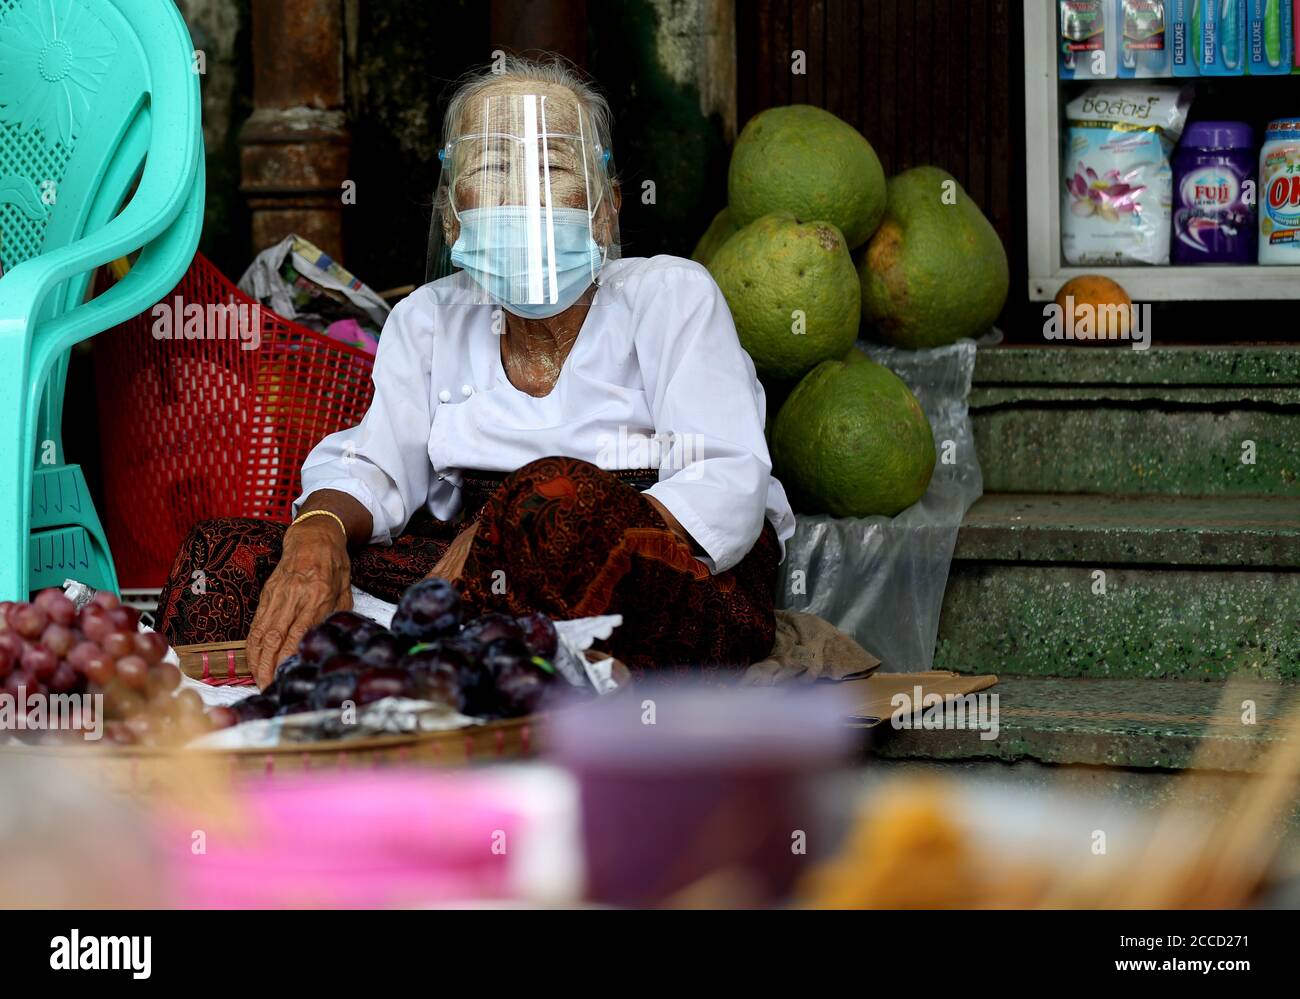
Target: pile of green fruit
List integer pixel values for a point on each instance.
(815, 248)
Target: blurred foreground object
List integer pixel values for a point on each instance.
(939, 844)
(67, 843)
(906, 852)
(702, 795)
(377, 840)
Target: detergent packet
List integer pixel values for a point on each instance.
(1086, 39)
(1117, 180)
(1268, 37)
(1143, 39)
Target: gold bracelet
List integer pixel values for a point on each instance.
(316, 513)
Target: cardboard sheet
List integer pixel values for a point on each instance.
(873, 695)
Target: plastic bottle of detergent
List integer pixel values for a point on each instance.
(1214, 214)
(1279, 193)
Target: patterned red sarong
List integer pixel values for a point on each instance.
(559, 535)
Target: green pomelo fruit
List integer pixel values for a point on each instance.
(852, 441)
(792, 291)
(721, 229)
(935, 271)
(805, 161)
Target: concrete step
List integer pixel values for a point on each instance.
(1173, 420)
(1239, 364)
(1114, 586)
(1245, 532)
(1162, 724)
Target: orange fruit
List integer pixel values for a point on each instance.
(1099, 301)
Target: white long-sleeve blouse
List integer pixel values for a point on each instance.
(656, 379)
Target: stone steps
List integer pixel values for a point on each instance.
(1247, 532)
(1133, 723)
(1131, 580)
(1110, 586)
(1175, 420)
(1122, 534)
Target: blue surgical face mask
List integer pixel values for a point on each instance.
(493, 249)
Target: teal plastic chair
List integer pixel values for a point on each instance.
(99, 107)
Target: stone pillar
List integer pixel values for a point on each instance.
(668, 68)
(294, 147)
(518, 26)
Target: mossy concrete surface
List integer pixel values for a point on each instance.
(1125, 586)
(1153, 530)
(1158, 446)
(1224, 727)
(1178, 421)
(1243, 365)
(1055, 620)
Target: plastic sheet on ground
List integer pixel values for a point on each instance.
(882, 579)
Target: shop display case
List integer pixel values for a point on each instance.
(1253, 98)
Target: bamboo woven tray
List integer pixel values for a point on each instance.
(141, 769)
(225, 663)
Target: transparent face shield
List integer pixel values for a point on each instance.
(525, 212)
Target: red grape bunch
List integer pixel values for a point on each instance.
(47, 647)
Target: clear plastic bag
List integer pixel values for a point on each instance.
(881, 579)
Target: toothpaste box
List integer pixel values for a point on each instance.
(1295, 35)
(1182, 54)
(1268, 37)
(1086, 39)
(1142, 29)
(1219, 39)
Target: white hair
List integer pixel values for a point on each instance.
(550, 68)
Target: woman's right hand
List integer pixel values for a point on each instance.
(312, 580)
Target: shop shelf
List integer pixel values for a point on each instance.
(1047, 272)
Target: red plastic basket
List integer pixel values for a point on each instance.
(199, 425)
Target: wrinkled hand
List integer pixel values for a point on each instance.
(452, 564)
(312, 580)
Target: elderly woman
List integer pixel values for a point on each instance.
(553, 428)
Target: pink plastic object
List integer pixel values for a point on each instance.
(350, 332)
(372, 839)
